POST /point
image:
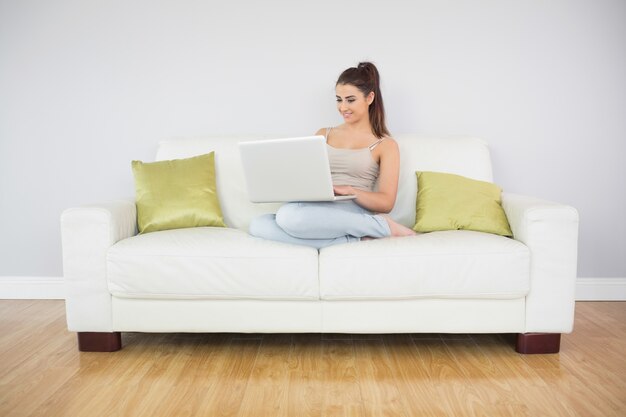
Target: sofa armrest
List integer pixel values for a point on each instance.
(87, 232)
(550, 230)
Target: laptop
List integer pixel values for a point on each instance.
(288, 169)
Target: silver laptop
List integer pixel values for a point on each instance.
(291, 169)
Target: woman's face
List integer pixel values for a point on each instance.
(351, 102)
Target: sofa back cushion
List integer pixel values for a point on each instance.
(461, 155)
(464, 156)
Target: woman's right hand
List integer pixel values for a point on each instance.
(344, 190)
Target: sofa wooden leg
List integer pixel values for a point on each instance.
(99, 341)
(538, 342)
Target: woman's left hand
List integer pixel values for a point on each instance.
(344, 190)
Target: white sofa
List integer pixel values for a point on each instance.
(224, 280)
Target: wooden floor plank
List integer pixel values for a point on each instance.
(16, 328)
(495, 394)
(16, 358)
(305, 391)
(267, 389)
(12, 308)
(452, 387)
(197, 378)
(232, 377)
(104, 382)
(311, 375)
(375, 373)
(418, 392)
(26, 387)
(342, 396)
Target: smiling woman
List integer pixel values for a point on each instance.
(364, 162)
(353, 106)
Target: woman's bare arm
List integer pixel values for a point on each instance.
(383, 200)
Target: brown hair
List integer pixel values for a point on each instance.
(365, 77)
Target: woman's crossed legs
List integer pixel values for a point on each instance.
(320, 224)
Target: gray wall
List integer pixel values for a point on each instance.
(85, 87)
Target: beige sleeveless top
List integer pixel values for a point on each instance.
(355, 167)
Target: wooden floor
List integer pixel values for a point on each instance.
(43, 374)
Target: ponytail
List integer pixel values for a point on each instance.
(365, 77)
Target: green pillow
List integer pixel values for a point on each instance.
(452, 202)
(177, 194)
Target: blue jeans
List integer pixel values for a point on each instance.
(319, 224)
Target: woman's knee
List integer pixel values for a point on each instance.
(290, 217)
(262, 226)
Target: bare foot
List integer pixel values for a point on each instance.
(397, 229)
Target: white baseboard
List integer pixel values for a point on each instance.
(25, 288)
(601, 289)
(587, 289)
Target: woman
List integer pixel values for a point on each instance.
(361, 152)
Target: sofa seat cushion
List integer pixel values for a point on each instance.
(211, 263)
(445, 264)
